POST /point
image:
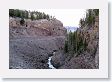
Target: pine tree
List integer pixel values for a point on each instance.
(18, 14)
(66, 47)
(32, 16)
(96, 11)
(11, 12)
(26, 14)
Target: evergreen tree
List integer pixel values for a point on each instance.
(96, 11)
(66, 47)
(18, 14)
(32, 16)
(11, 12)
(26, 14)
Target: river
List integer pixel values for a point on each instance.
(49, 62)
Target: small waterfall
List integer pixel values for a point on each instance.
(49, 62)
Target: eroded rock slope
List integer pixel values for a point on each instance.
(31, 44)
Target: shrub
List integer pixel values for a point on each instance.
(66, 47)
(22, 21)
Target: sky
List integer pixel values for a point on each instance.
(69, 17)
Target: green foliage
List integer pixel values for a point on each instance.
(75, 43)
(26, 14)
(22, 21)
(17, 13)
(11, 12)
(85, 44)
(90, 17)
(34, 15)
(96, 11)
(66, 47)
(70, 38)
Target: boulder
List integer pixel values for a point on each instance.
(57, 59)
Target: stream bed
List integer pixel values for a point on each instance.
(50, 64)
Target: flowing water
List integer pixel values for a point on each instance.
(49, 61)
(50, 64)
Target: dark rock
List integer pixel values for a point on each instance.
(57, 59)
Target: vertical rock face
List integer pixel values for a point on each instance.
(89, 58)
(91, 35)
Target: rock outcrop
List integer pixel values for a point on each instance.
(36, 28)
(31, 44)
(88, 59)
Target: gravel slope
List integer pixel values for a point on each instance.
(32, 52)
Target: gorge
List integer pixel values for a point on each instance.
(45, 44)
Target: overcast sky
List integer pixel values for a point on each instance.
(69, 17)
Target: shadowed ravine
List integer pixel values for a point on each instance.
(46, 44)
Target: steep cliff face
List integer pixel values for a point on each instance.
(89, 58)
(91, 35)
(86, 59)
(36, 28)
(31, 44)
